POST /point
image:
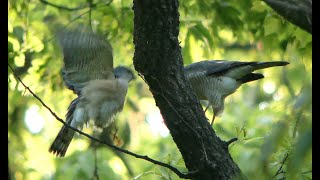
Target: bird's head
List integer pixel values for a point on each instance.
(122, 72)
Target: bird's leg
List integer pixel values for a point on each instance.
(207, 107)
(115, 138)
(214, 116)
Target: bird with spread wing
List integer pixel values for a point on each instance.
(214, 80)
(88, 71)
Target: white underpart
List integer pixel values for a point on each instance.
(228, 85)
(99, 105)
(79, 117)
(106, 110)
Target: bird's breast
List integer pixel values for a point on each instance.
(209, 86)
(101, 100)
(104, 90)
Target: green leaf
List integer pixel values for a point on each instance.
(271, 25)
(205, 33)
(10, 47)
(258, 6)
(14, 43)
(186, 50)
(302, 148)
(273, 140)
(18, 31)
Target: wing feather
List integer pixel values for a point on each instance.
(233, 69)
(86, 55)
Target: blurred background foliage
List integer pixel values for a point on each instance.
(272, 117)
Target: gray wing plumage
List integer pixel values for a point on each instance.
(233, 69)
(87, 56)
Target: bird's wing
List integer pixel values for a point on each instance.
(87, 56)
(233, 69)
(212, 67)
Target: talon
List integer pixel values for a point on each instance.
(214, 116)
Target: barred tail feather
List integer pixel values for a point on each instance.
(61, 143)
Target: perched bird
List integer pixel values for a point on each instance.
(88, 71)
(214, 80)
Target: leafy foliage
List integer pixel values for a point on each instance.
(271, 118)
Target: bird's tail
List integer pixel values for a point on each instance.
(61, 143)
(250, 77)
(259, 65)
(262, 65)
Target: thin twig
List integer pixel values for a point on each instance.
(282, 163)
(92, 5)
(242, 129)
(62, 7)
(175, 170)
(95, 172)
(306, 172)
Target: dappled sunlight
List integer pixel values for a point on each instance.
(263, 105)
(270, 117)
(34, 121)
(38, 159)
(118, 166)
(227, 36)
(156, 123)
(269, 87)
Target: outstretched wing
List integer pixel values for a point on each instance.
(87, 56)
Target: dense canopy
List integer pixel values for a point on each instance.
(270, 117)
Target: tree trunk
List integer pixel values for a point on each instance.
(298, 12)
(159, 61)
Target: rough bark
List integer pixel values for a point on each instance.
(298, 12)
(158, 59)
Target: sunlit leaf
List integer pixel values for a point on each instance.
(271, 25)
(258, 6)
(15, 45)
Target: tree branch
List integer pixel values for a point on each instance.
(298, 12)
(62, 7)
(175, 170)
